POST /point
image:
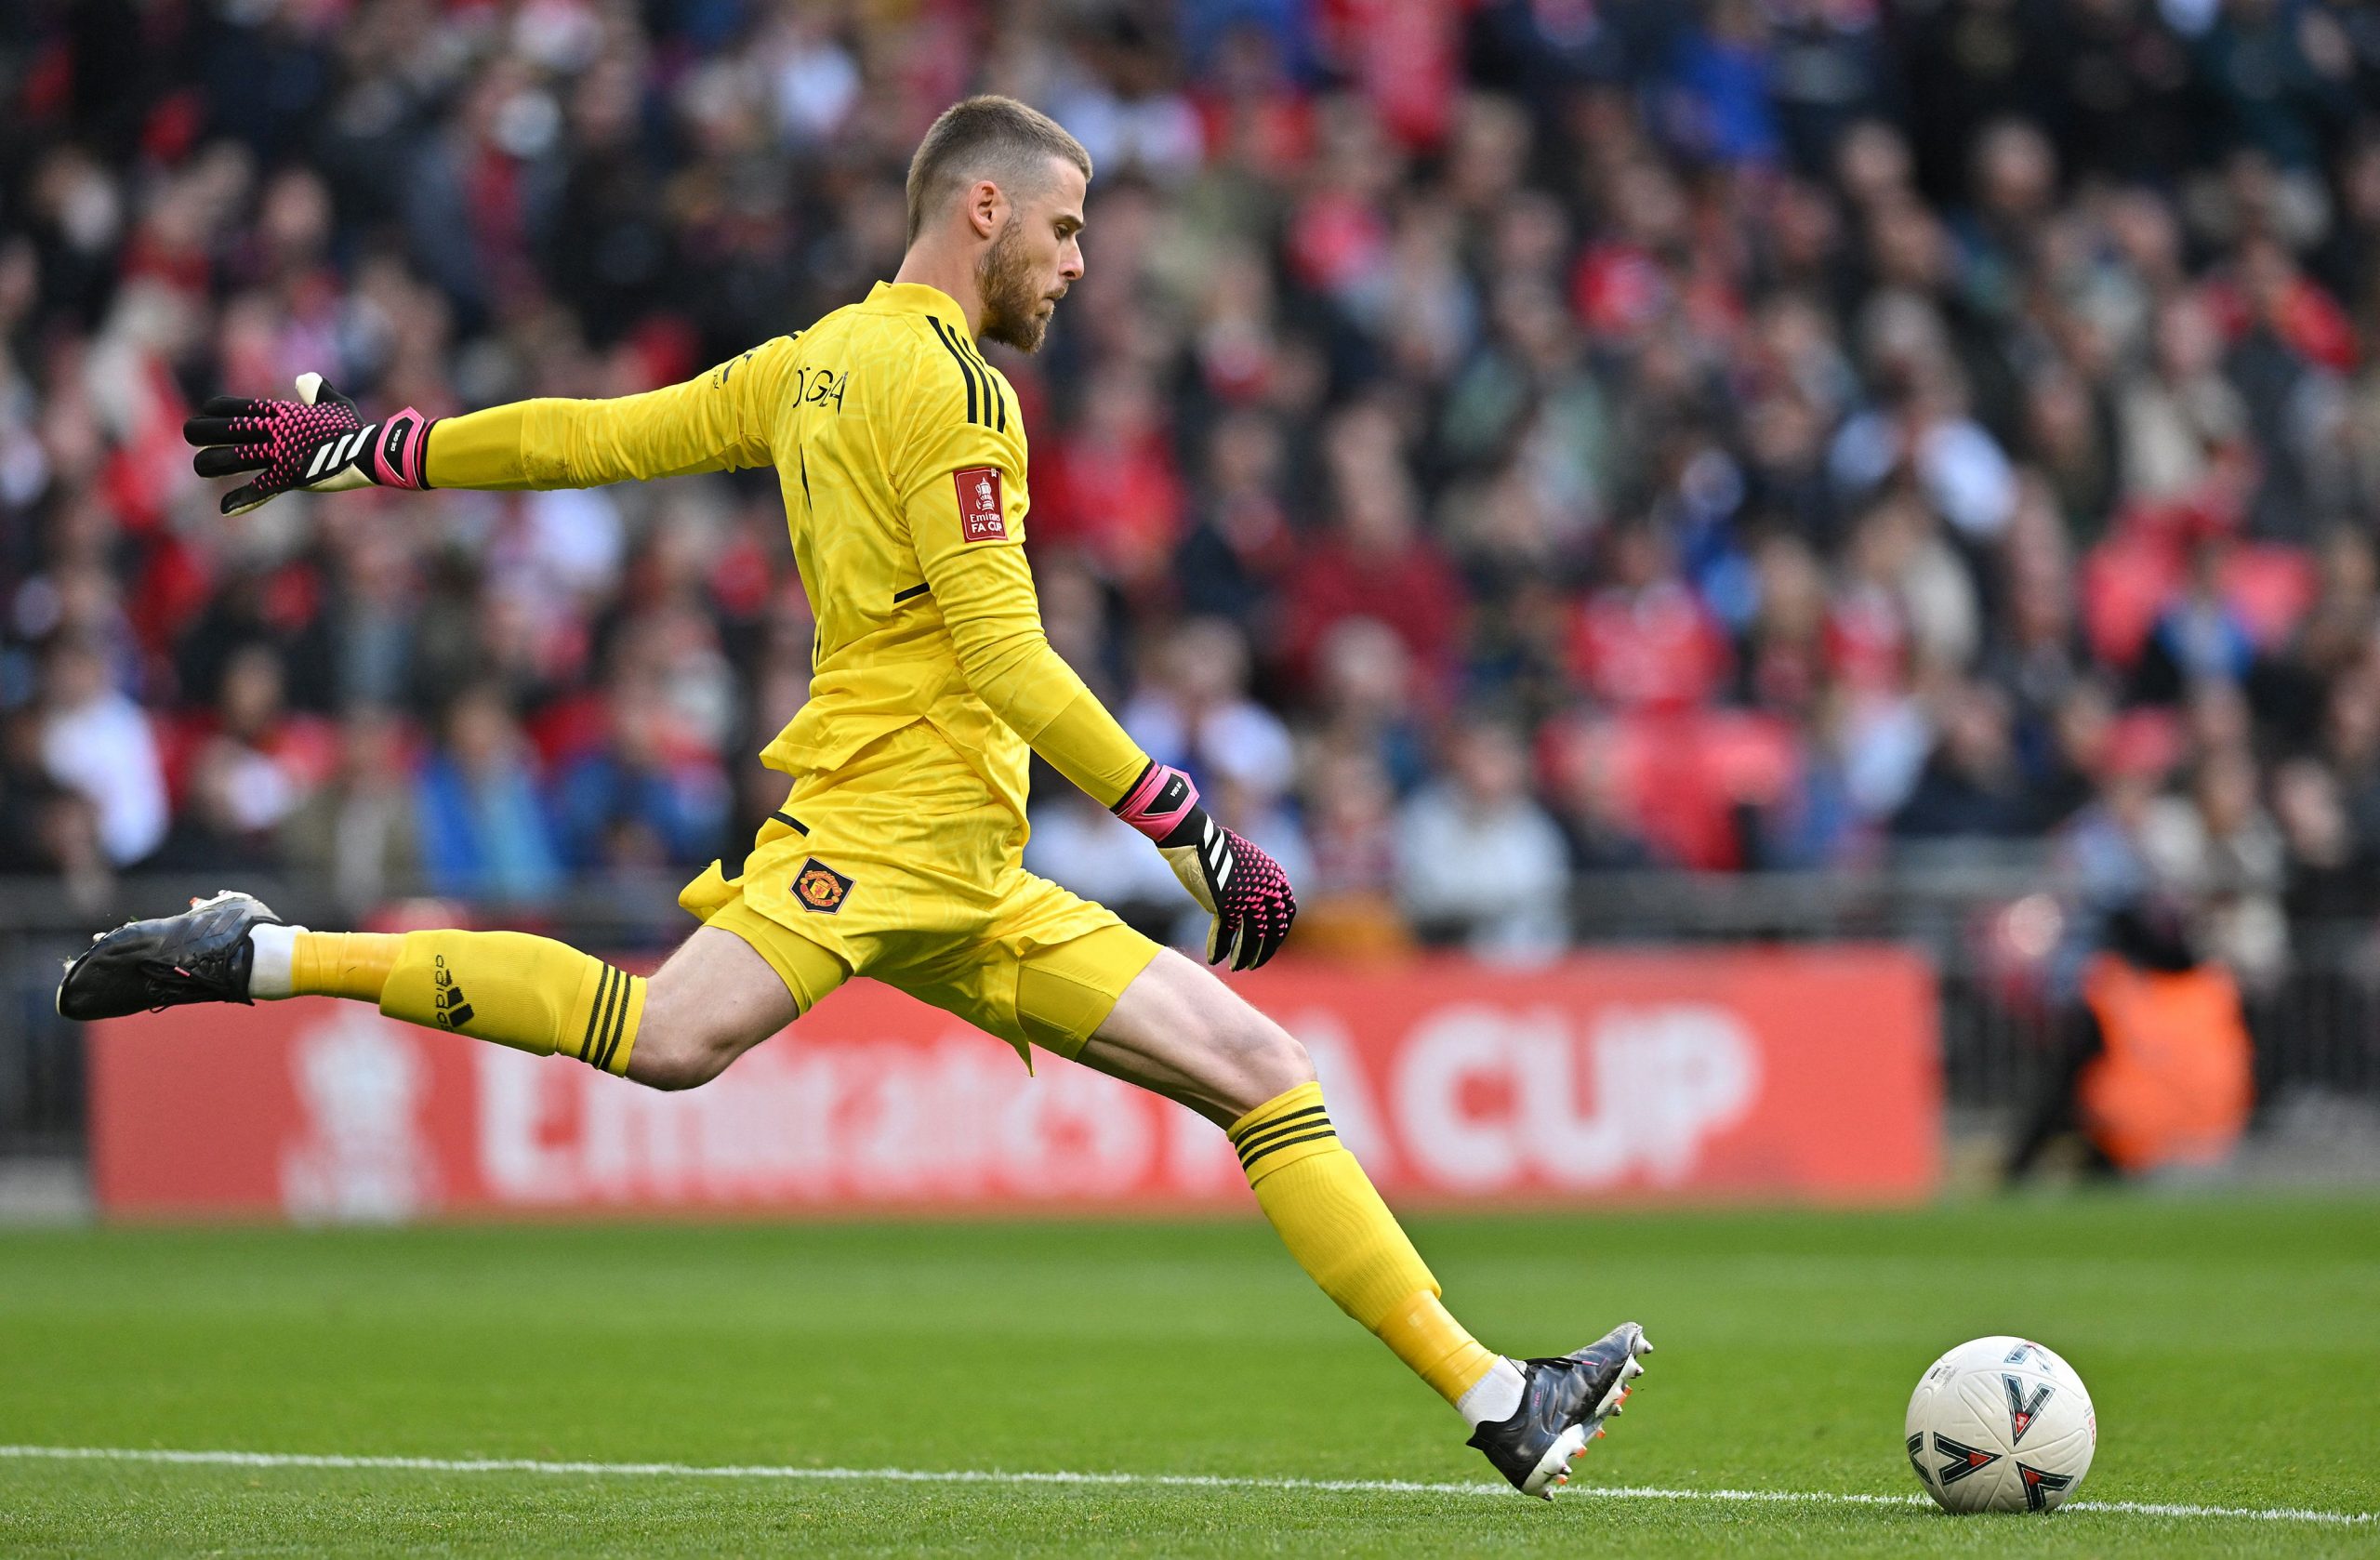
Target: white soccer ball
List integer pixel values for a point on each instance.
(2001, 1424)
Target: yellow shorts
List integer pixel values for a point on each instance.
(904, 867)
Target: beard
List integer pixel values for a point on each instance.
(1004, 282)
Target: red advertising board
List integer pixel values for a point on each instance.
(1799, 1073)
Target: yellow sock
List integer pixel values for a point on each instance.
(530, 993)
(351, 964)
(1332, 1221)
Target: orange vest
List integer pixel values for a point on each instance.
(2172, 1086)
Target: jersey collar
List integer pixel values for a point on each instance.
(916, 297)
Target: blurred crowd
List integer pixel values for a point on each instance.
(1497, 441)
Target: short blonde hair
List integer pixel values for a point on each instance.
(989, 137)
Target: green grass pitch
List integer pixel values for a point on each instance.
(2232, 1348)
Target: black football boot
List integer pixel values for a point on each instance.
(1564, 1403)
(200, 955)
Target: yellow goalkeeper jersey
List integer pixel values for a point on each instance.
(900, 456)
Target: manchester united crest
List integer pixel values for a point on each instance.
(820, 888)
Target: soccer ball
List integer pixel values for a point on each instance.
(2001, 1424)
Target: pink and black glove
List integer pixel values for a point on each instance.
(316, 443)
(1243, 888)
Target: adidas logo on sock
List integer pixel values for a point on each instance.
(454, 1012)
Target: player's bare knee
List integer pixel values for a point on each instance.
(711, 1002)
(676, 1048)
(682, 1059)
(1179, 1030)
(670, 1058)
(1260, 1060)
(1278, 1064)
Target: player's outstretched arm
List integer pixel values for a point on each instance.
(319, 442)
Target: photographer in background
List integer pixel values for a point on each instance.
(2154, 1063)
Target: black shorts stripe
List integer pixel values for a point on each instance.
(911, 594)
(1263, 1141)
(791, 822)
(966, 369)
(1263, 1127)
(595, 1015)
(1247, 1161)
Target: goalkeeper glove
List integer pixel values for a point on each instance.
(1235, 882)
(315, 443)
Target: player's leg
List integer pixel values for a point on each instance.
(738, 980)
(1182, 1032)
(713, 999)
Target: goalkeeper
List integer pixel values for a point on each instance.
(897, 854)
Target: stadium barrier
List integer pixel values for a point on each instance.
(2317, 1029)
(1809, 1073)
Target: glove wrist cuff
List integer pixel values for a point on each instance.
(401, 451)
(1159, 804)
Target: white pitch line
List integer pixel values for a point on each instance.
(1170, 1481)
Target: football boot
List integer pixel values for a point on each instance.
(1564, 1403)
